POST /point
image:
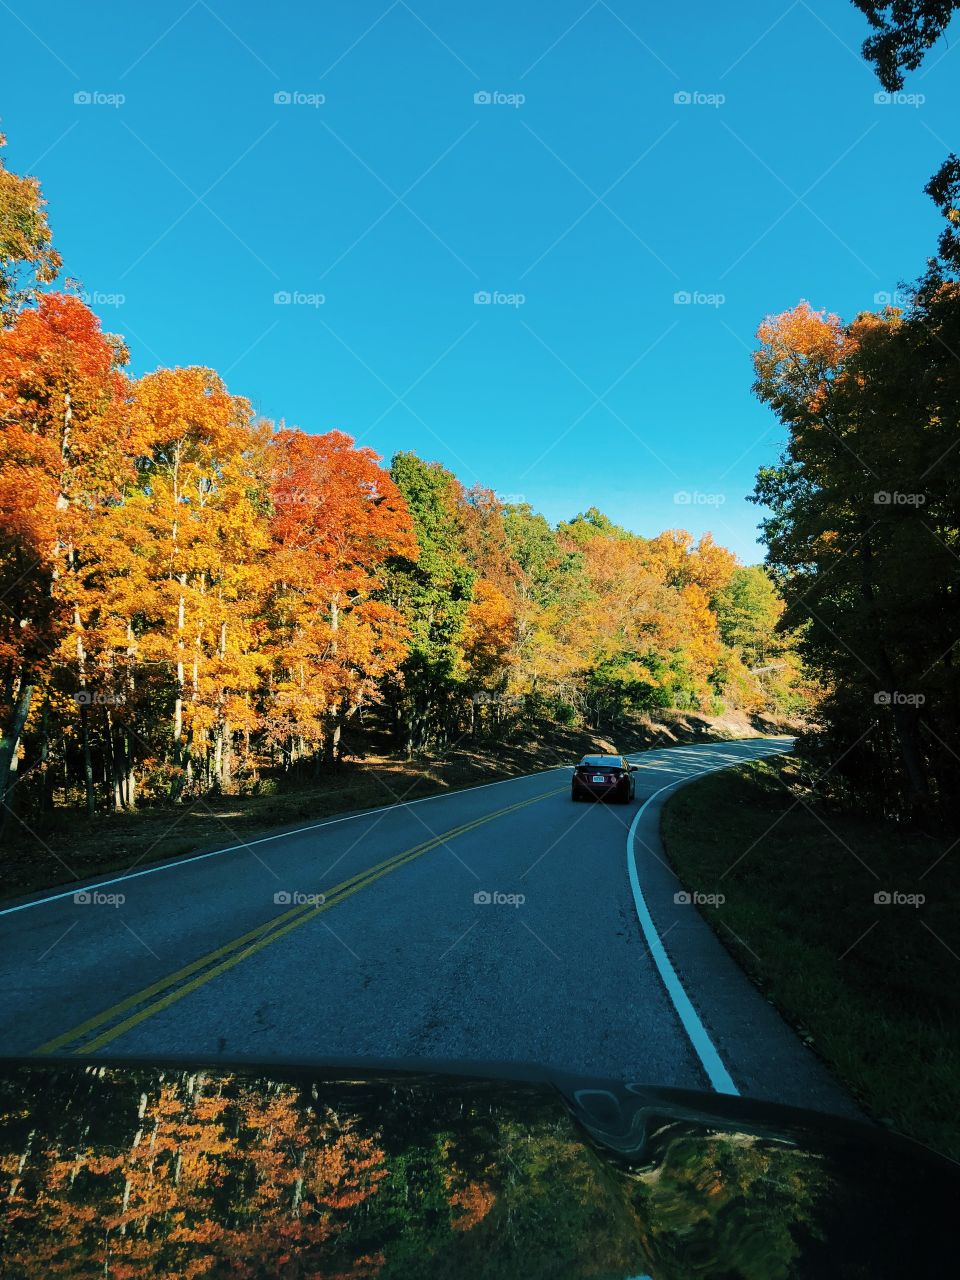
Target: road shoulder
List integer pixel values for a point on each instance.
(764, 1056)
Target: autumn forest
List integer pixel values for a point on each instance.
(191, 595)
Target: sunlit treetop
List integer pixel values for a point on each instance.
(27, 256)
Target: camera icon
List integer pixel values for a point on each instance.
(882, 498)
(882, 898)
(883, 298)
(482, 898)
(683, 98)
(882, 99)
(882, 699)
(282, 898)
(482, 298)
(82, 898)
(83, 698)
(82, 99)
(682, 298)
(483, 98)
(682, 899)
(282, 298)
(683, 497)
(282, 98)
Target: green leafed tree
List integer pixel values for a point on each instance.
(864, 533)
(433, 594)
(748, 610)
(904, 31)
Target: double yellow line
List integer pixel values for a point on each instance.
(103, 1027)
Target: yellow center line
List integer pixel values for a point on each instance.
(199, 972)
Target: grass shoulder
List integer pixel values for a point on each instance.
(848, 925)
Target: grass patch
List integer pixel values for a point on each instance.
(873, 987)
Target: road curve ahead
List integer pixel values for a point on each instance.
(501, 923)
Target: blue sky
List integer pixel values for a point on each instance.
(582, 196)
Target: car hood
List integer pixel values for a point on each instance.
(125, 1169)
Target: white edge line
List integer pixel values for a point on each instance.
(718, 1075)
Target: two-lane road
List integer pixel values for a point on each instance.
(500, 923)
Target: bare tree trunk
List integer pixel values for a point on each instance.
(131, 787)
(46, 774)
(87, 761)
(220, 732)
(113, 762)
(176, 785)
(129, 775)
(10, 741)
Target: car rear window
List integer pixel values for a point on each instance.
(609, 762)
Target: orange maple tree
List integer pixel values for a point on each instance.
(337, 519)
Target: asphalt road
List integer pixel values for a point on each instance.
(502, 923)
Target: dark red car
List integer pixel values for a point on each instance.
(604, 778)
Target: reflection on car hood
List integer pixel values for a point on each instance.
(126, 1170)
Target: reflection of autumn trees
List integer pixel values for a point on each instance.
(729, 1205)
(196, 1175)
(176, 1174)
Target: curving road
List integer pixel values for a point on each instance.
(501, 923)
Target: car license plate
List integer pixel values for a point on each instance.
(598, 777)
